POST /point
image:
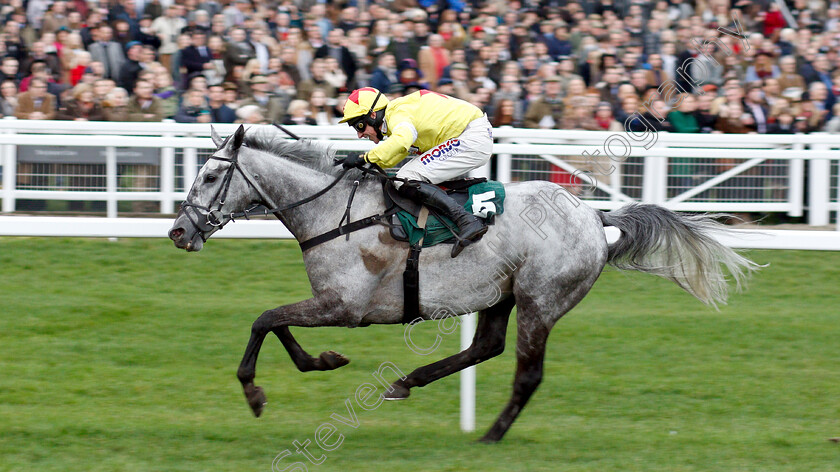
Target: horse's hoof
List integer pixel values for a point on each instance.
(256, 398)
(396, 392)
(486, 439)
(333, 360)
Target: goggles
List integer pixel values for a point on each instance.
(358, 123)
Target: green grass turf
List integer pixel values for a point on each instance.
(121, 356)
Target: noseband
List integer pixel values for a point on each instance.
(217, 219)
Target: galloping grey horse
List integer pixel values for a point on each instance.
(542, 255)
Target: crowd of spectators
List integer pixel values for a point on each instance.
(538, 64)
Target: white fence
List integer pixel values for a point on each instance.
(146, 168)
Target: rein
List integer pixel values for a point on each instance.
(352, 226)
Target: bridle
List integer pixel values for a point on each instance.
(218, 219)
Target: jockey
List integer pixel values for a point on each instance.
(447, 138)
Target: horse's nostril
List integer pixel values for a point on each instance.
(176, 234)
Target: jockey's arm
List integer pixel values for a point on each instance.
(391, 151)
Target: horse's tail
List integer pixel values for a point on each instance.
(677, 247)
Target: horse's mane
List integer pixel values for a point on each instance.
(314, 155)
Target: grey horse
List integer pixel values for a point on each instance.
(542, 255)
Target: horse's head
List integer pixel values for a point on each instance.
(218, 192)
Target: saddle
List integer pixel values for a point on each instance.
(404, 212)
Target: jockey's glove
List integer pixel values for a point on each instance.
(354, 159)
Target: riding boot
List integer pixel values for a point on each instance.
(470, 228)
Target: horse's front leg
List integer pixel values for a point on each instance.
(312, 312)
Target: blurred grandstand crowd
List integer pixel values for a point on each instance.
(551, 64)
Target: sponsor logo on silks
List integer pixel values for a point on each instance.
(442, 152)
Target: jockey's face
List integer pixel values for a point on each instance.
(369, 133)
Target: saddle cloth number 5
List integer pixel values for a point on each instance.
(482, 205)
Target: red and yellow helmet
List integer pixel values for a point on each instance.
(361, 103)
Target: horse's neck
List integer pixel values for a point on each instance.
(289, 182)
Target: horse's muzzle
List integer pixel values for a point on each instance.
(176, 234)
(182, 240)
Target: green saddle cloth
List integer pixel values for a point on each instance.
(485, 200)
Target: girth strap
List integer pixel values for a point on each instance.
(411, 275)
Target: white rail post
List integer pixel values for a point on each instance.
(468, 376)
(655, 180)
(190, 167)
(648, 179)
(9, 172)
(819, 184)
(167, 178)
(504, 166)
(796, 182)
(111, 181)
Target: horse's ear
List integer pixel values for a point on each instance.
(217, 140)
(238, 137)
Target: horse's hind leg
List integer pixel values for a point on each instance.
(328, 360)
(488, 342)
(532, 335)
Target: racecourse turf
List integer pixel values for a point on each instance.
(121, 356)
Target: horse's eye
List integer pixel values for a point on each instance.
(210, 179)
